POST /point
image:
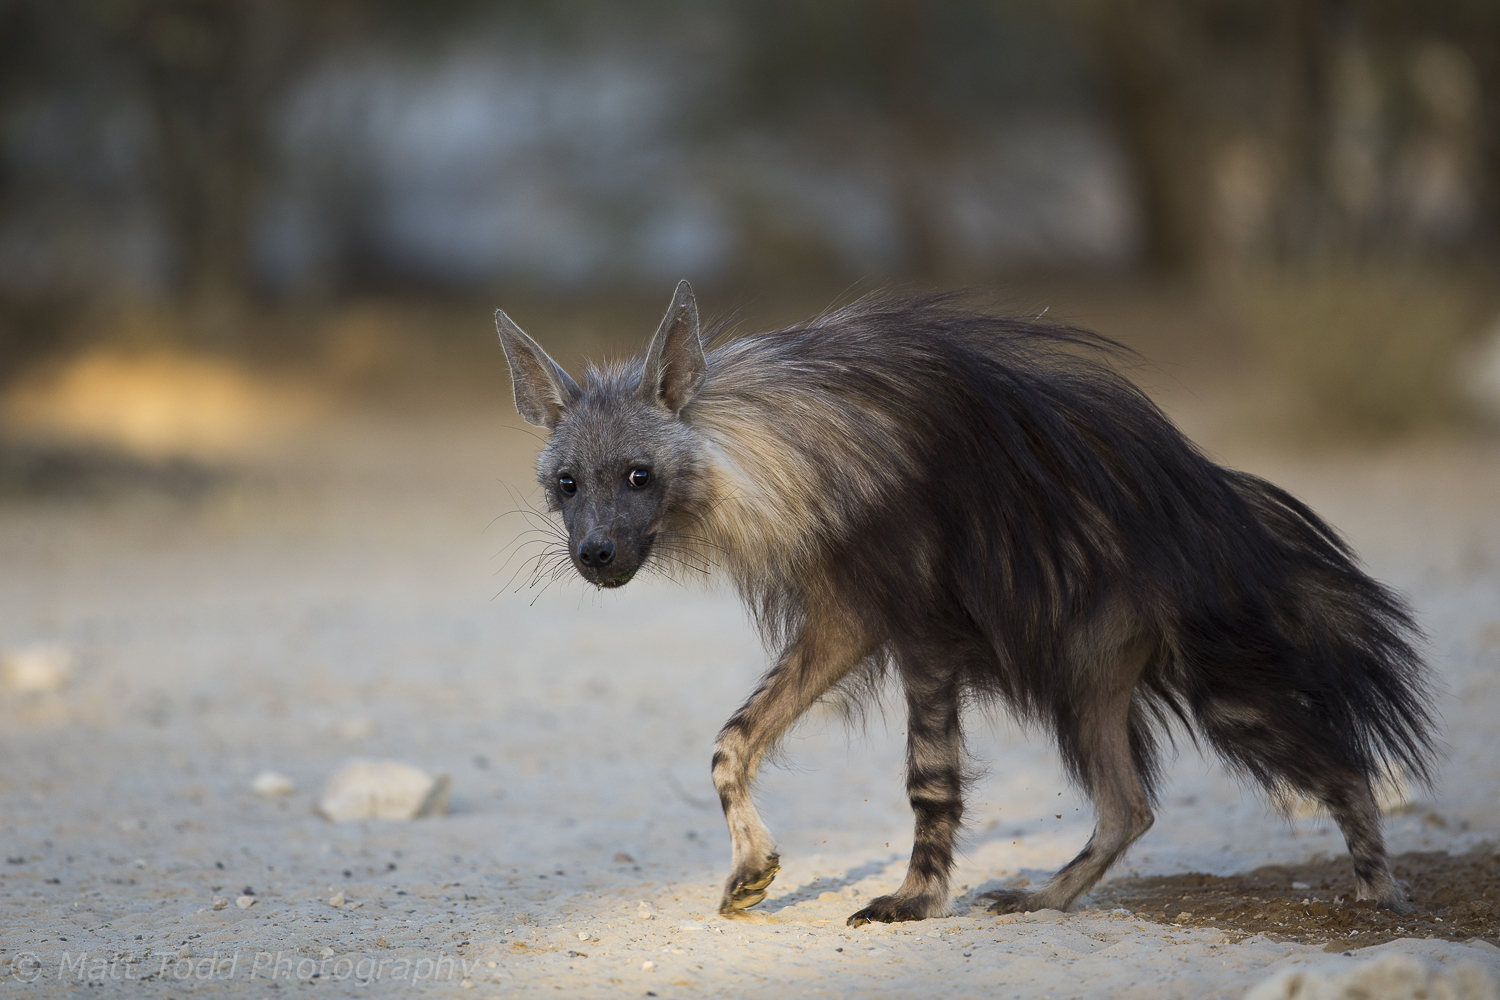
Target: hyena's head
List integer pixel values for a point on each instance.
(621, 465)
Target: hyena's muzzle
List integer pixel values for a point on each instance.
(609, 558)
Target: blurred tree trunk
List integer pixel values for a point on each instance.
(1150, 55)
(903, 42)
(211, 73)
(1303, 223)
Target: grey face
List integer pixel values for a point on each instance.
(619, 453)
(610, 469)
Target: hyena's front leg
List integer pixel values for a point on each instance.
(818, 658)
(934, 783)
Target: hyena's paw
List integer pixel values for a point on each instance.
(1017, 901)
(1394, 899)
(748, 887)
(894, 909)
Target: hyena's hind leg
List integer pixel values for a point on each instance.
(1107, 741)
(1348, 797)
(814, 663)
(934, 782)
(1281, 742)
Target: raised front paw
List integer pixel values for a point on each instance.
(746, 888)
(893, 909)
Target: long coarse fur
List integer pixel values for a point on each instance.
(986, 508)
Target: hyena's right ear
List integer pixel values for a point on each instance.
(543, 390)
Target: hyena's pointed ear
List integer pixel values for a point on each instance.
(543, 390)
(675, 365)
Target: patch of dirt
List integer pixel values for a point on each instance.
(1457, 897)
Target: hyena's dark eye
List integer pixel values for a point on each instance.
(638, 478)
(566, 485)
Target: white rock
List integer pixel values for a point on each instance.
(648, 966)
(383, 789)
(245, 902)
(644, 911)
(36, 669)
(272, 783)
(220, 902)
(1390, 977)
(336, 900)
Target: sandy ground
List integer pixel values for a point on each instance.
(348, 599)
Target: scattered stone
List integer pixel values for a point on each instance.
(272, 783)
(644, 911)
(245, 902)
(336, 900)
(648, 966)
(583, 935)
(327, 952)
(36, 669)
(183, 952)
(220, 902)
(383, 789)
(382, 942)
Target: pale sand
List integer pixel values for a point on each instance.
(342, 601)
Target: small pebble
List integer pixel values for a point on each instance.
(220, 902)
(382, 942)
(327, 952)
(644, 911)
(245, 902)
(648, 966)
(271, 784)
(183, 952)
(583, 935)
(621, 858)
(336, 900)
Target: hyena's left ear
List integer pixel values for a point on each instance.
(675, 365)
(543, 390)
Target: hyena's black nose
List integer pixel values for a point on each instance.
(596, 551)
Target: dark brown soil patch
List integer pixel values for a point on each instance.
(1456, 897)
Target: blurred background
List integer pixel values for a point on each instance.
(220, 219)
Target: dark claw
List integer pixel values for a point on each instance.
(749, 891)
(1006, 900)
(889, 910)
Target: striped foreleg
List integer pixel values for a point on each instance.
(814, 663)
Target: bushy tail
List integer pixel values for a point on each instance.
(1314, 678)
